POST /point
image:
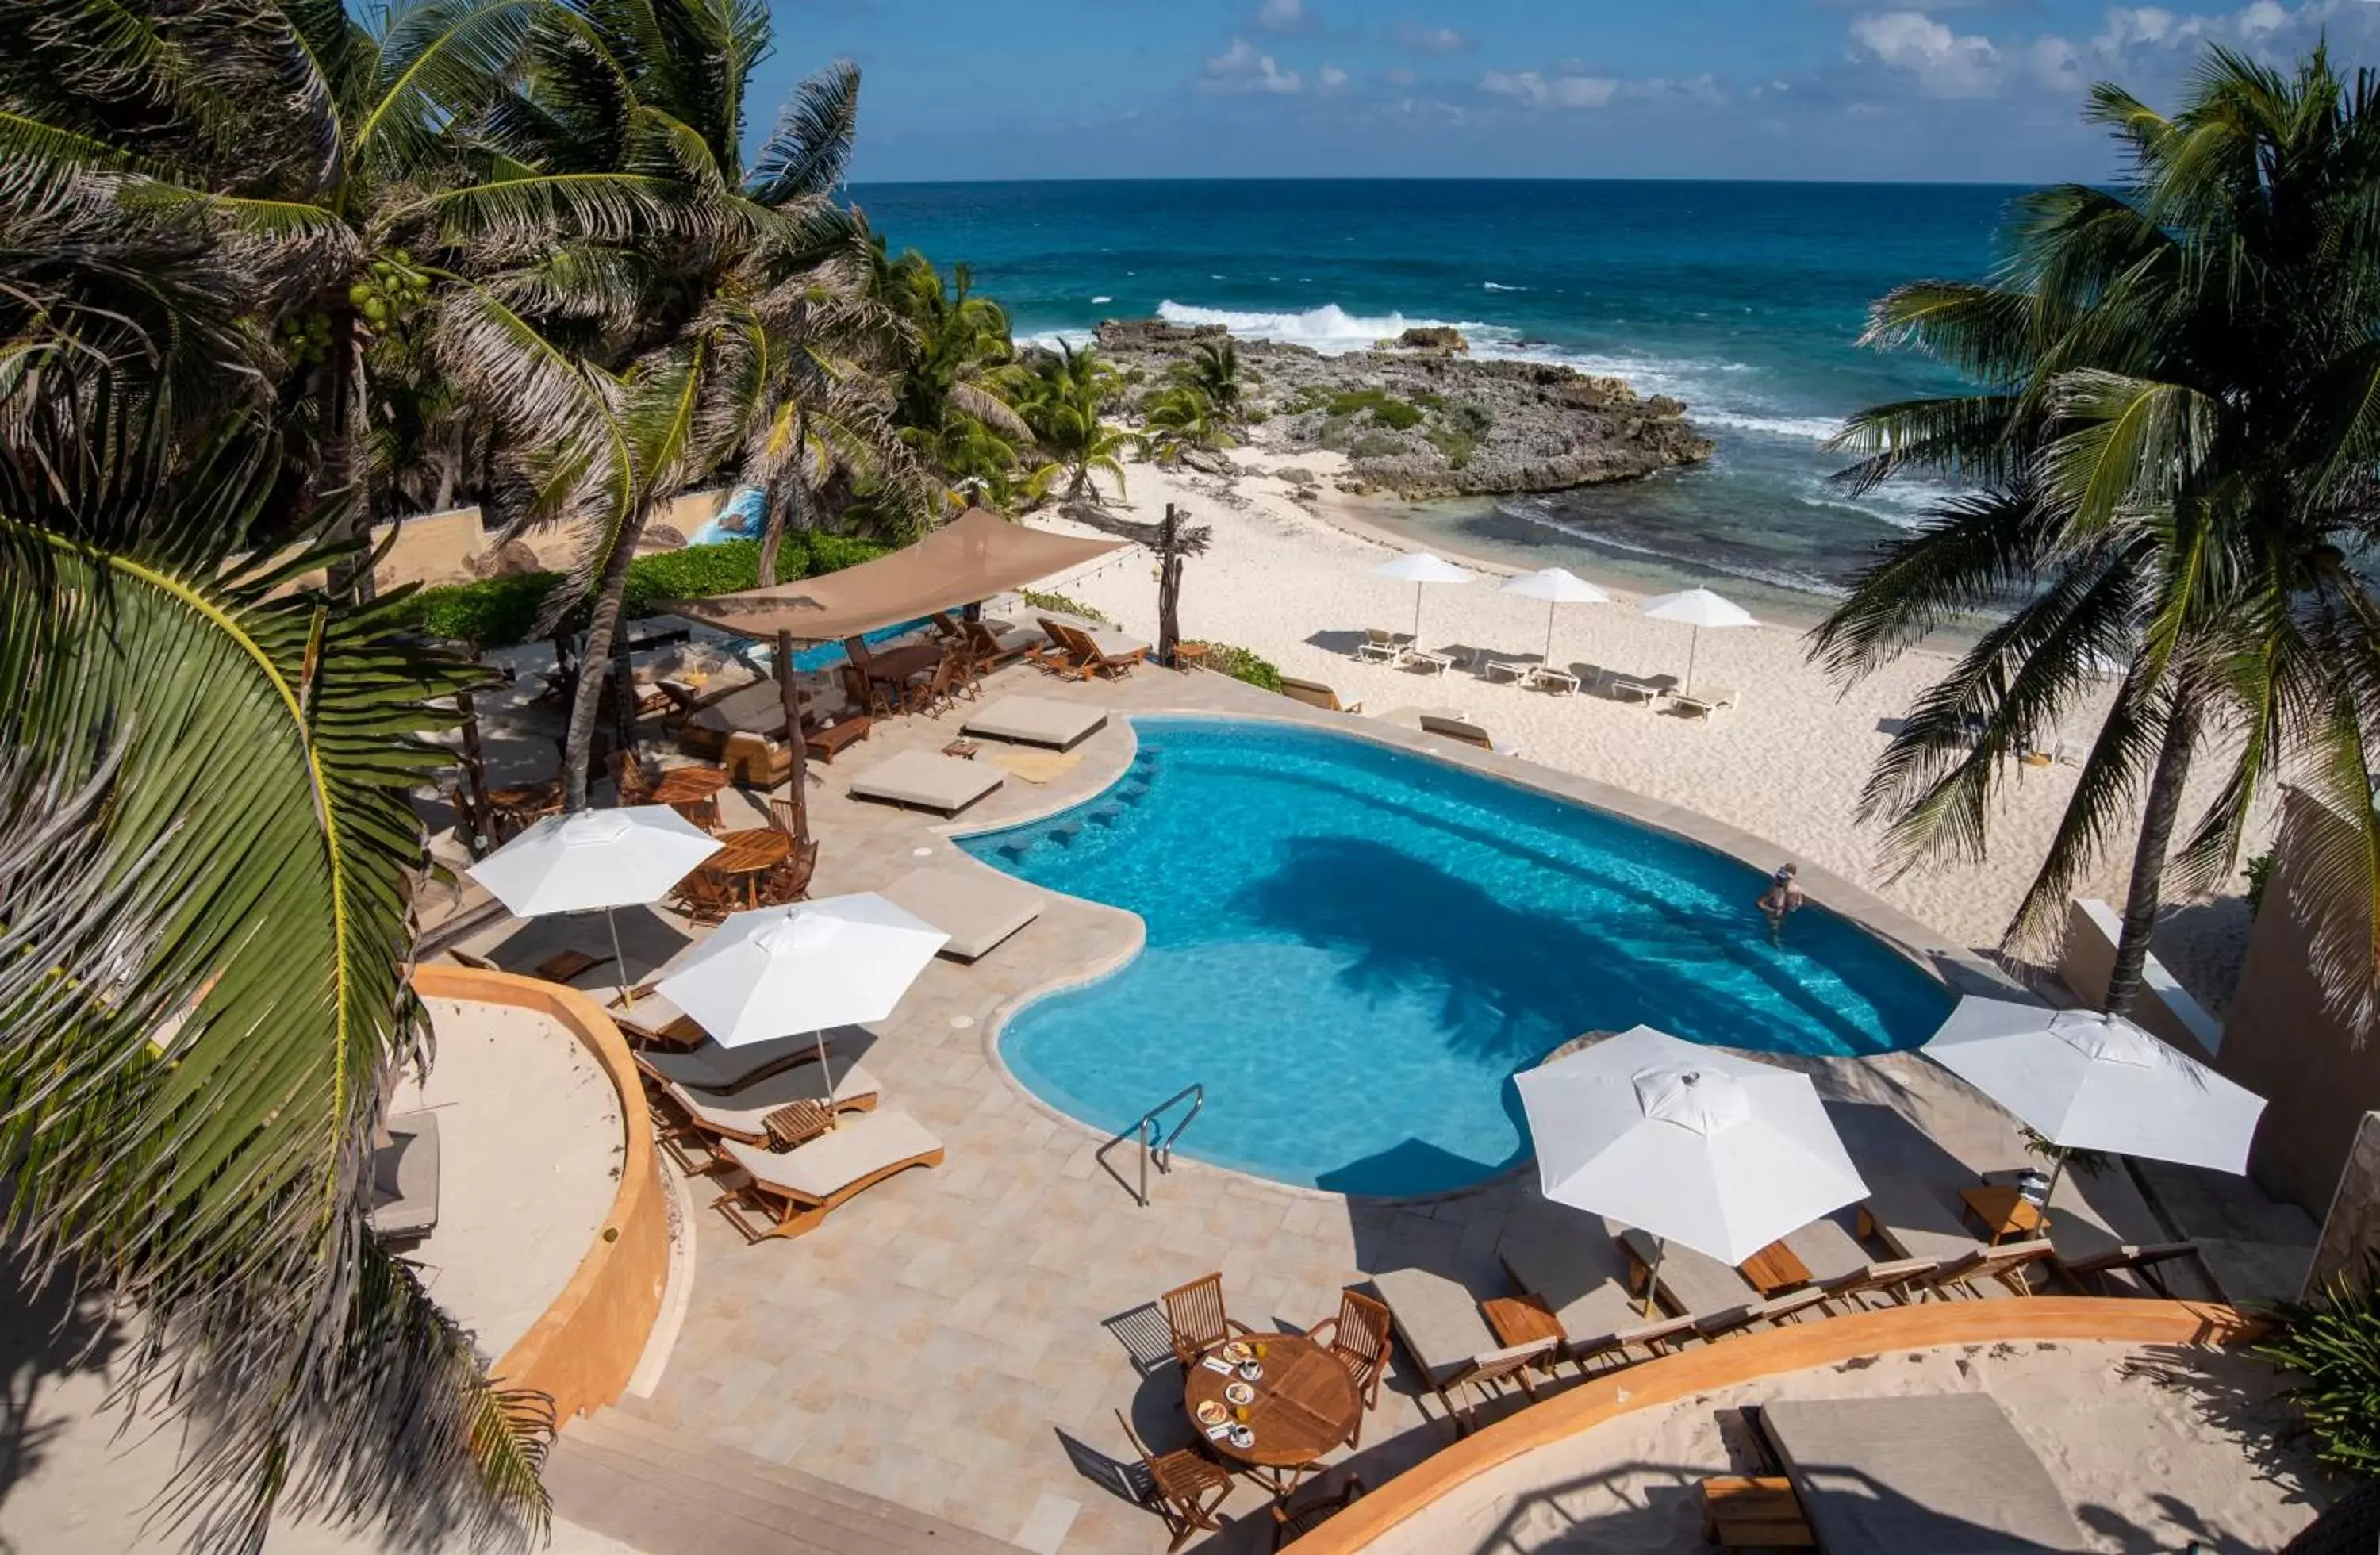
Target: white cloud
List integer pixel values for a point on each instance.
(1398, 76)
(2128, 25)
(1946, 64)
(2055, 64)
(2264, 16)
(1539, 91)
(1281, 15)
(1242, 68)
(1432, 39)
(1331, 77)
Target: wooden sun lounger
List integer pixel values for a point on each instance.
(1644, 691)
(1913, 1220)
(1465, 733)
(1702, 704)
(708, 1066)
(993, 648)
(1314, 694)
(2006, 1266)
(1438, 1323)
(1384, 647)
(802, 1186)
(1094, 653)
(1695, 1285)
(2141, 1261)
(744, 1114)
(1583, 1282)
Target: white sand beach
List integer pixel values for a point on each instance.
(1294, 584)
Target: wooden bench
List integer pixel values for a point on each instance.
(1762, 1513)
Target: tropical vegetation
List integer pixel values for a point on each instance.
(1062, 397)
(2330, 1348)
(2173, 442)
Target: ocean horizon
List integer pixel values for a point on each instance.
(1746, 300)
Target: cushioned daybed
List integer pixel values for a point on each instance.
(976, 908)
(1037, 721)
(924, 780)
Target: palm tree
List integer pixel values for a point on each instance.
(1179, 419)
(205, 855)
(1213, 371)
(950, 402)
(1061, 395)
(2175, 439)
(718, 313)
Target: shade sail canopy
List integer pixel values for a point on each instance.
(2090, 1081)
(1687, 1143)
(973, 556)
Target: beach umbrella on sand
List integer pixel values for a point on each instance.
(841, 961)
(1698, 608)
(1686, 1143)
(1556, 586)
(1419, 568)
(2086, 1080)
(595, 858)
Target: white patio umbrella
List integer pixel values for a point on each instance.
(841, 961)
(1686, 1143)
(1556, 586)
(2086, 1080)
(1698, 608)
(595, 858)
(1420, 568)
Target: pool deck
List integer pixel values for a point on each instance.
(940, 1340)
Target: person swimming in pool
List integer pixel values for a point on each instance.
(1781, 900)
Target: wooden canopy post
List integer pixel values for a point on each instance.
(1176, 542)
(798, 769)
(479, 820)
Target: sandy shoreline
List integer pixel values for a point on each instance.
(1294, 583)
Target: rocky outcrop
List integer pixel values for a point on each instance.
(1422, 421)
(1442, 340)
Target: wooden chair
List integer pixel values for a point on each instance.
(968, 682)
(932, 695)
(1180, 1483)
(1359, 1337)
(870, 697)
(784, 816)
(628, 777)
(1195, 1313)
(706, 896)
(1290, 1523)
(789, 881)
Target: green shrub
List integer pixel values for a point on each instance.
(1375, 445)
(502, 612)
(2259, 871)
(1386, 409)
(2332, 1346)
(1458, 447)
(1471, 417)
(1058, 604)
(1242, 663)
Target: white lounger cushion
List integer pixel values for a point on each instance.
(1698, 1284)
(978, 908)
(1115, 645)
(745, 1111)
(921, 778)
(1915, 1221)
(1828, 1251)
(713, 1067)
(759, 709)
(1439, 1319)
(1583, 1279)
(1037, 721)
(855, 1148)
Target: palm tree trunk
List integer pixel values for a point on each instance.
(587, 695)
(2163, 809)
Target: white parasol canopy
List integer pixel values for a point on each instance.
(815, 964)
(1418, 568)
(595, 858)
(2090, 1081)
(1698, 608)
(1686, 1143)
(1556, 586)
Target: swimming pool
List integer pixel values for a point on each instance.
(1354, 949)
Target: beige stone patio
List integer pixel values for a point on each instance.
(939, 1342)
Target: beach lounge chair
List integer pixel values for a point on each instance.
(978, 908)
(1913, 1220)
(1314, 694)
(1792, 1306)
(1899, 1280)
(922, 780)
(1827, 1250)
(1465, 733)
(802, 1186)
(758, 708)
(1111, 654)
(2141, 1262)
(405, 1179)
(1701, 704)
(1439, 1325)
(2008, 1266)
(1177, 1485)
(1942, 1473)
(1037, 721)
(1382, 647)
(839, 1083)
(1694, 1284)
(1547, 679)
(1517, 671)
(1583, 1282)
(1626, 688)
(1438, 662)
(710, 1067)
(993, 647)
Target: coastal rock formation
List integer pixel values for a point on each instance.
(1416, 419)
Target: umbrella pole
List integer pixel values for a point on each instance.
(828, 1075)
(1417, 631)
(1652, 1275)
(619, 962)
(1550, 635)
(1694, 644)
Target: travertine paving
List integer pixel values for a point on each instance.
(939, 1342)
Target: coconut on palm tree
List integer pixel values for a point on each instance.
(2174, 439)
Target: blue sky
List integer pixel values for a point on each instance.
(1967, 90)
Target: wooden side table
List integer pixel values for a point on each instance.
(1524, 1319)
(964, 750)
(2005, 1212)
(1775, 1270)
(1755, 1514)
(796, 1123)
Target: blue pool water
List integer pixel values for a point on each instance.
(1354, 949)
(827, 655)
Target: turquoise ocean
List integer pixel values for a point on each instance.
(1744, 301)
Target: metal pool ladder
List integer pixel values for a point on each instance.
(1152, 1146)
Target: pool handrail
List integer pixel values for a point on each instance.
(1152, 1147)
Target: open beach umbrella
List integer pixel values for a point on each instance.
(2086, 1080)
(1556, 586)
(841, 961)
(595, 858)
(1698, 608)
(1418, 568)
(1686, 1143)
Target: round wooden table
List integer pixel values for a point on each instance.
(692, 791)
(1306, 1403)
(751, 855)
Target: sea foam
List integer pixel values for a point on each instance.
(1330, 329)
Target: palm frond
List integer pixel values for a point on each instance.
(812, 147)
